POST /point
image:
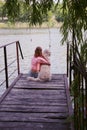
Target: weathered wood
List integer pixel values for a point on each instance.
(34, 126)
(34, 108)
(36, 105)
(36, 94)
(8, 90)
(49, 102)
(32, 117)
(33, 86)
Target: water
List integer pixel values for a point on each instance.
(29, 40)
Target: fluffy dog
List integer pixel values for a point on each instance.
(44, 74)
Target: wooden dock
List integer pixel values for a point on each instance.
(32, 105)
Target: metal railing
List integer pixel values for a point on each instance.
(5, 57)
(77, 73)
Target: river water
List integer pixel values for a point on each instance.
(29, 39)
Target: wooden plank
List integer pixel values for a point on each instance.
(34, 108)
(61, 80)
(8, 90)
(69, 104)
(36, 94)
(32, 117)
(53, 84)
(35, 86)
(36, 97)
(37, 91)
(27, 101)
(36, 105)
(33, 126)
(40, 91)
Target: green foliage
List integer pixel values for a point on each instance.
(36, 16)
(59, 13)
(11, 8)
(24, 13)
(79, 58)
(1, 8)
(84, 52)
(74, 30)
(75, 18)
(33, 11)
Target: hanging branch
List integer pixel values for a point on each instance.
(35, 9)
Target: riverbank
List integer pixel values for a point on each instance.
(21, 25)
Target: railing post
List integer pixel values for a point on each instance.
(70, 68)
(18, 66)
(86, 97)
(67, 58)
(6, 68)
(20, 50)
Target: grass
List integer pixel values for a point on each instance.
(21, 25)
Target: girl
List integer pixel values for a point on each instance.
(36, 62)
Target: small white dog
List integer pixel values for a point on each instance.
(44, 74)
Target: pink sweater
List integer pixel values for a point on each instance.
(36, 62)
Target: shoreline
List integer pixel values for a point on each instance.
(27, 31)
(20, 25)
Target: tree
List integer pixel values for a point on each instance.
(59, 13)
(35, 9)
(75, 18)
(74, 31)
(1, 9)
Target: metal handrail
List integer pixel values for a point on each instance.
(5, 45)
(2, 83)
(18, 49)
(12, 73)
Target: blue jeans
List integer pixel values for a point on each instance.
(33, 74)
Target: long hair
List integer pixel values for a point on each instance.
(38, 52)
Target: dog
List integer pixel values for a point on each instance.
(44, 74)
